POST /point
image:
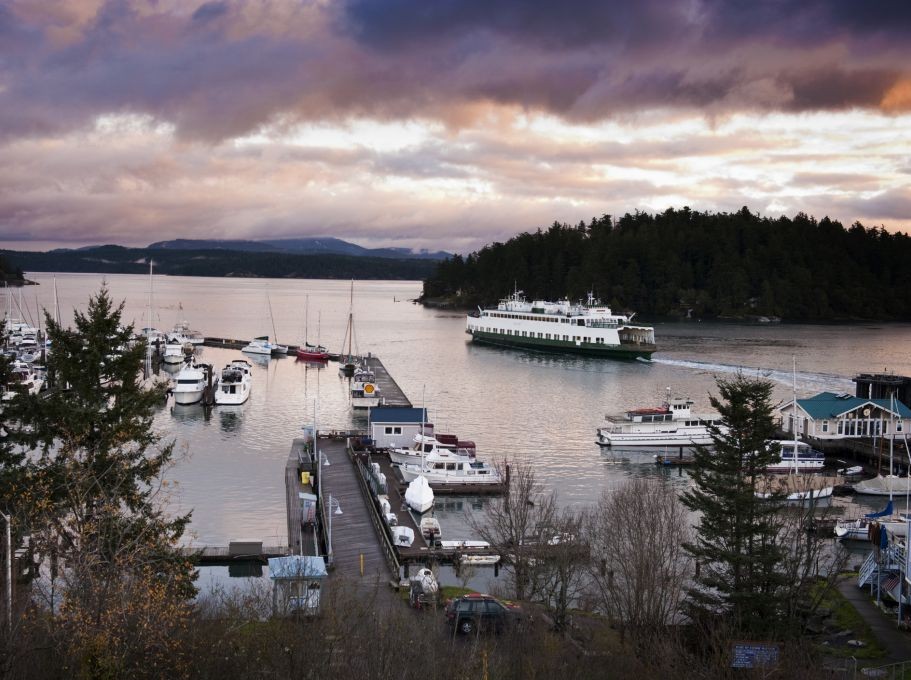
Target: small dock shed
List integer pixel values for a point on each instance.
(296, 584)
(395, 426)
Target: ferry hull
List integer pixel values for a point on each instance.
(621, 351)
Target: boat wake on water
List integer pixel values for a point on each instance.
(825, 381)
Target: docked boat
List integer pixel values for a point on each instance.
(884, 485)
(190, 383)
(183, 331)
(235, 383)
(859, 529)
(173, 352)
(22, 379)
(348, 360)
(431, 529)
(805, 459)
(794, 486)
(426, 444)
(260, 345)
(581, 328)
(419, 495)
(441, 471)
(671, 424)
(402, 536)
(307, 351)
(365, 393)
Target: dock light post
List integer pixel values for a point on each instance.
(333, 503)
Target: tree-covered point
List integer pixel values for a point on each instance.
(687, 263)
(10, 274)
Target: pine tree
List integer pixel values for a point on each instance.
(737, 536)
(90, 495)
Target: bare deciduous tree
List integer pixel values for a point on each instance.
(513, 524)
(639, 567)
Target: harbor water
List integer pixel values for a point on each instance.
(537, 408)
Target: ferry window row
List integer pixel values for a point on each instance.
(544, 336)
(526, 317)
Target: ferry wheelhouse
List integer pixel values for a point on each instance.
(582, 328)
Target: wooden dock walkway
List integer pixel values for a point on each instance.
(389, 389)
(354, 537)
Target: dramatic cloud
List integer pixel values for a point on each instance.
(441, 123)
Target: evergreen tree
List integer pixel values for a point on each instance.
(89, 494)
(737, 536)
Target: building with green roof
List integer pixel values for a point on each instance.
(831, 415)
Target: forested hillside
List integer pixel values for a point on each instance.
(221, 262)
(707, 265)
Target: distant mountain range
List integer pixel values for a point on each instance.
(233, 258)
(301, 246)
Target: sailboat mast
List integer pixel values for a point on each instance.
(794, 385)
(350, 318)
(306, 320)
(271, 317)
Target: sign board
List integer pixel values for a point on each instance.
(754, 654)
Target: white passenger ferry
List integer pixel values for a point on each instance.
(583, 328)
(671, 424)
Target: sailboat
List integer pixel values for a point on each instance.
(275, 347)
(796, 486)
(889, 484)
(306, 351)
(347, 361)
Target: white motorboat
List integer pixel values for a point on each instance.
(235, 383)
(173, 353)
(182, 331)
(671, 424)
(23, 379)
(190, 383)
(423, 445)
(795, 487)
(431, 529)
(805, 460)
(859, 529)
(402, 536)
(260, 345)
(419, 495)
(365, 393)
(446, 472)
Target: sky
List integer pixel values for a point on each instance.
(442, 124)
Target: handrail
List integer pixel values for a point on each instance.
(392, 560)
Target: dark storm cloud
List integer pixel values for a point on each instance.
(220, 69)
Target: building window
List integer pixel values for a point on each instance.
(825, 426)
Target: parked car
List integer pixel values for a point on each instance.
(475, 613)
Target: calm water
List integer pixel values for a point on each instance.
(535, 407)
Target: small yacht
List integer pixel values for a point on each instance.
(182, 331)
(425, 445)
(173, 352)
(671, 424)
(23, 379)
(190, 383)
(235, 383)
(260, 345)
(443, 471)
(365, 393)
(806, 459)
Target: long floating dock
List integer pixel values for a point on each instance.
(392, 394)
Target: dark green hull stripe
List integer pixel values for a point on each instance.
(564, 346)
